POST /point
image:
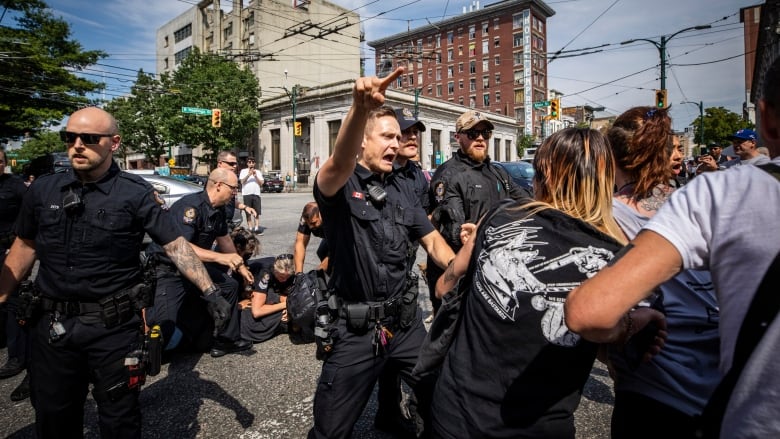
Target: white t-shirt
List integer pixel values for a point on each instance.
(253, 184)
(736, 236)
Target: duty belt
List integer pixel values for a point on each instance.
(376, 310)
(114, 310)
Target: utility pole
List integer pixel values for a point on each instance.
(701, 119)
(661, 46)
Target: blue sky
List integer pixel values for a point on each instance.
(126, 29)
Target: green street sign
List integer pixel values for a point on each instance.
(196, 110)
(541, 104)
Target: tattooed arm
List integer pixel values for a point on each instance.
(188, 263)
(457, 266)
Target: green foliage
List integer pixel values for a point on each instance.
(524, 142)
(150, 119)
(37, 86)
(38, 145)
(719, 123)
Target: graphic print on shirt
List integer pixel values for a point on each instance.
(508, 266)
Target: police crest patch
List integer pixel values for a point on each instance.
(189, 216)
(264, 279)
(439, 191)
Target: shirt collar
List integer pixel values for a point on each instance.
(103, 184)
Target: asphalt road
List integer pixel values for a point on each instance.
(266, 392)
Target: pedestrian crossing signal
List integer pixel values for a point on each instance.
(298, 129)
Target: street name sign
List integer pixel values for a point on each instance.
(196, 110)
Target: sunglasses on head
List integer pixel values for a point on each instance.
(284, 256)
(473, 134)
(86, 138)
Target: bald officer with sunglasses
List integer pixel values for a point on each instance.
(466, 186)
(85, 226)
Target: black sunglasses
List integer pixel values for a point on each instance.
(86, 138)
(230, 163)
(233, 188)
(473, 134)
(284, 256)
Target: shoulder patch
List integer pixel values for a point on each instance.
(358, 195)
(263, 282)
(438, 190)
(189, 216)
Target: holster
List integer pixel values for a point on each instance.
(28, 303)
(409, 301)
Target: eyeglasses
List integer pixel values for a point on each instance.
(284, 256)
(473, 134)
(250, 161)
(86, 138)
(233, 188)
(230, 163)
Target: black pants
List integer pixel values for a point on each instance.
(350, 372)
(178, 304)
(637, 416)
(60, 373)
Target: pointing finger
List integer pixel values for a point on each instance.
(387, 80)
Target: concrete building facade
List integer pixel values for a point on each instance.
(321, 110)
(491, 58)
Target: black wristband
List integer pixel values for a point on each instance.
(213, 289)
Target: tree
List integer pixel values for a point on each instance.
(719, 123)
(209, 81)
(140, 120)
(38, 86)
(524, 142)
(41, 143)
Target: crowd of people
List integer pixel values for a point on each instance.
(621, 252)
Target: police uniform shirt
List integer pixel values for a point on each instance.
(12, 190)
(197, 220)
(413, 174)
(369, 263)
(91, 249)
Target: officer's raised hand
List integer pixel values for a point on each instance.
(369, 92)
(218, 307)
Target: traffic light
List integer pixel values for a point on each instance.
(216, 117)
(660, 98)
(555, 109)
(298, 129)
(171, 162)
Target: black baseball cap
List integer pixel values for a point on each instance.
(407, 120)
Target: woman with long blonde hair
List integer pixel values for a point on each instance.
(514, 369)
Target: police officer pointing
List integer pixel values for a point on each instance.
(373, 216)
(86, 227)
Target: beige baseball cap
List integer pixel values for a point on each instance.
(471, 118)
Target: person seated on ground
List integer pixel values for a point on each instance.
(263, 308)
(310, 224)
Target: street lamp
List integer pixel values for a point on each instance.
(661, 46)
(700, 104)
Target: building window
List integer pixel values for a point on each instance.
(486, 100)
(518, 77)
(485, 47)
(276, 149)
(251, 38)
(472, 49)
(460, 84)
(438, 40)
(419, 78)
(430, 90)
(519, 96)
(419, 46)
(411, 80)
(182, 33)
(485, 27)
(460, 50)
(472, 32)
(517, 21)
(497, 59)
(449, 55)
(180, 55)
(165, 41)
(438, 74)
(508, 149)
(450, 88)
(436, 148)
(460, 32)
(486, 82)
(165, 63)
(496, 43)
(517, 40)
(472, 101)
(450, 37)
(497, 148)
(496, 23)
(520, 113)
(438, 90)
(430, 73)
(450, 71)
(438, 57)
(517, 58)
(485, 65)
(228, 32)
(472, 67)
(460, 100)
(498, 96)
(472, 84)
(460, 67)
(250, 19)
(399, 82)
(498, 80)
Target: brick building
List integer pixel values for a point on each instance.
(491, 58)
